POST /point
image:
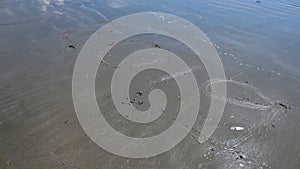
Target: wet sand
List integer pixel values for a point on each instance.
(256, 40)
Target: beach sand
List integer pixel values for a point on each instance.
(257, 43)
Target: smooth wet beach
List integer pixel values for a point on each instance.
(257, 42)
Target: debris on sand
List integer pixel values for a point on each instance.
(68, 40)
(284, 106)
(140, 93)
(72, 46)
(237, 128)
(157, 46)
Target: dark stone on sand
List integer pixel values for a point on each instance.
(72, 46)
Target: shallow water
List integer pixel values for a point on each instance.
(256, 40)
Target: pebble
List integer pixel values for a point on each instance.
(241, 164)
(236, 128)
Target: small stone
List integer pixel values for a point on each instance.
(66, 122)
(237, 128)
(72, 46)
(140, 93)
(132, 101)
(157, 46)
(140, 103)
